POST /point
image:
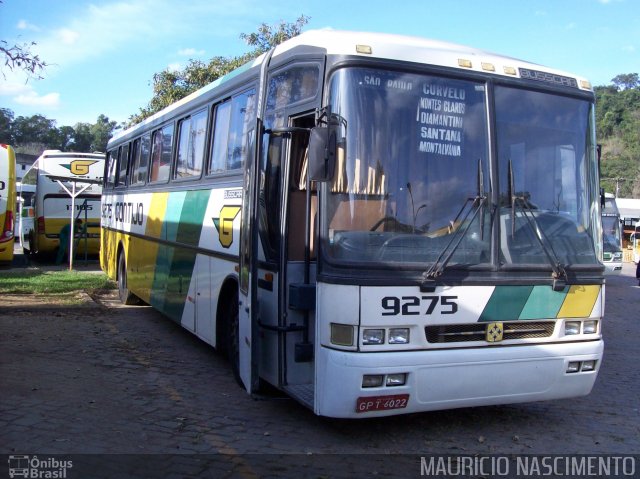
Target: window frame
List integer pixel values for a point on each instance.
(160, 131)
(229, 100)
(178, 137)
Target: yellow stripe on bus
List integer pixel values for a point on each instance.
(147, 251)
(579, 301)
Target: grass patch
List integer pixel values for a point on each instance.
(53, 282)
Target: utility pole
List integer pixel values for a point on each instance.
(618, 181)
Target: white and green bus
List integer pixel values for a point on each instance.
(7, 202)
(375, 224)
(48, 182)
(612, 235)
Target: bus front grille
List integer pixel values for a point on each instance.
(458, 333)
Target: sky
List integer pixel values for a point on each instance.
(102, 54)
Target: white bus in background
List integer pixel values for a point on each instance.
(611, 235)
(40, 227)
(24, 210)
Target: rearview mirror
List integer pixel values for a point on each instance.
(322, 153)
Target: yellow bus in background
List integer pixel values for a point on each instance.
(40, 233)
(7, 202)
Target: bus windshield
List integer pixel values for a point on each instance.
(413, 171)
(612, 237)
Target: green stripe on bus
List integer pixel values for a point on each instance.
(543, 302)
(506, 303)
(183, 260)
(191, 219)
(169, 232)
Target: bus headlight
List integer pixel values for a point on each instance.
(399, 336)
(373, 336)
(342, 334)
(399, 379)
(573, 367)
(571, 327)
(372, 380)
(590, 327)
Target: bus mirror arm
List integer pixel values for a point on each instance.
(285, 131)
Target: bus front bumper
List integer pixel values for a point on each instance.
(452, 378)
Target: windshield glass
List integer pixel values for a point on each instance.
(415, 156)
(611, 234)
(545, 150)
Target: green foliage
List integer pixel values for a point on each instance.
(170, 86)
(52, 282)
(39, 130)
(618, 131)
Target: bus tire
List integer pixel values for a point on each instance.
(126, 296)
(233, 338)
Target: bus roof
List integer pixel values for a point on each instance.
(396, 47)
(69, 154)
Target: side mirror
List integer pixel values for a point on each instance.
(602, 198)
(322, 154)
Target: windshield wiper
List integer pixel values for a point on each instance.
(559, 273)
(427, 283)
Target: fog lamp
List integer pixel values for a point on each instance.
(342, 334)
(573, 367)
(571, 327)
(399, 336)
(372, 380)
(373, 336)
(398, 379)
(589, 365)
(590, 327)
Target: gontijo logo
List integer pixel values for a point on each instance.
(80, 167)
(224, 224)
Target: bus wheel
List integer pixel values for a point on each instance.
(233, 339)
(126, 296)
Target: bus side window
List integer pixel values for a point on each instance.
(221, 124)
(190, 149)
(140, 173)
(135, 162)
(161, 154)
(232, 120)
(112, 163)
(123, 164)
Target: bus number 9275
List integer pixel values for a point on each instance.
(419, 305)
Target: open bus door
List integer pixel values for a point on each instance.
(244, 335)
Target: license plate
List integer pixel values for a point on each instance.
(381, 403)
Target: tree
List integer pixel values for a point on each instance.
(37, 133)
(268, 37)
(626, 81)
(101, 131)
(618, 131)
(19, 56)
(33, 129)
(6, 121)
(170, 86)
(82, 137)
